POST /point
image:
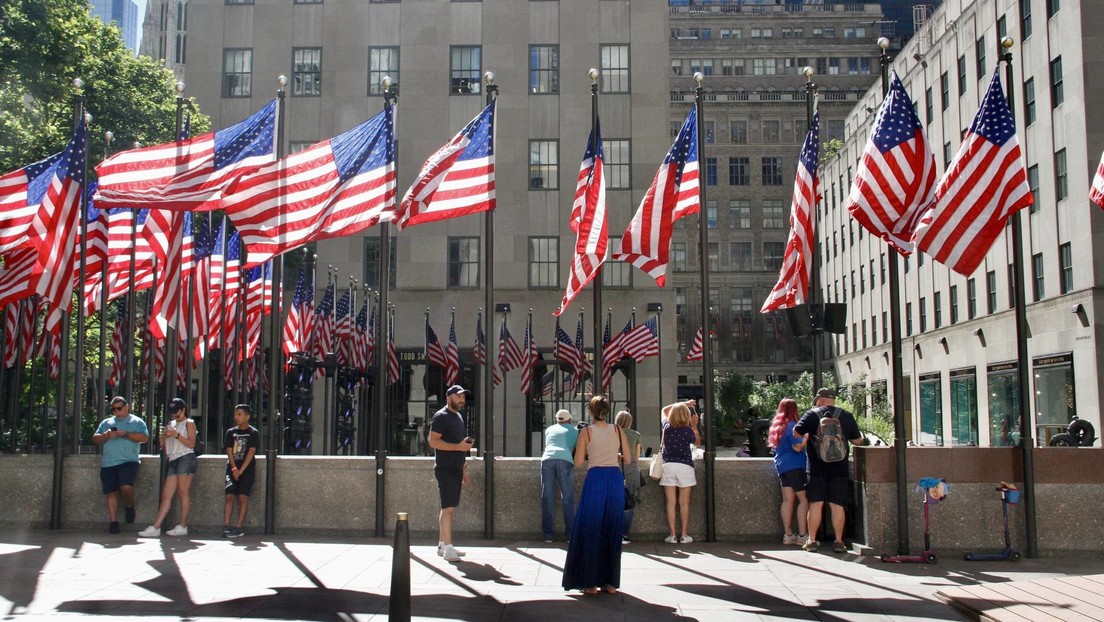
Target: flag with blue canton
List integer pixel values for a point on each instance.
(452, 355)
(21, 193)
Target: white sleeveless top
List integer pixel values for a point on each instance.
(173, 447)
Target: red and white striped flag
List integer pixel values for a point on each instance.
(480, 350)
(984, 184)
(674, 193)
(893, 189)
(643, 340)
(1096, 192)
(567, 351)
(343, 329)
(588, 221)
(613, 350)
(457, 180)
(797, 263)
(164, 231)
(17, 277)
(696, 352)
(19, 320)
(324, 326)
(21, 193)
(435, 352)
(531, 357)
(393, 369)
(300, 313)
(452, 355)
(187, 174)
(118, 343)
(509, 354)
(335, 188)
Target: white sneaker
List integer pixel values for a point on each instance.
(789, 539)
(671, 540)
(179, 530)
(150, 532)
(451, 554)
(441, 550)
(687, 540)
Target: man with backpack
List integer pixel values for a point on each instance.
(829, 429)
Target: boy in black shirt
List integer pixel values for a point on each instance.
(241, 443)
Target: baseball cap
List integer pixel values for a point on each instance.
(563, 416)
(827, 393)
(454, 389)
(176, 404)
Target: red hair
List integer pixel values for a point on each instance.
(787, 412)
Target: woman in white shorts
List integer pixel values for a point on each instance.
(680, 432)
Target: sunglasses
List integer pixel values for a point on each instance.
(118, 409)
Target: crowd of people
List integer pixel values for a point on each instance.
(121, 436)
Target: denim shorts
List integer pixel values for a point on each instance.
(184, 465)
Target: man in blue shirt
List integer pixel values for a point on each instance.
(558, 473)
(121, 435)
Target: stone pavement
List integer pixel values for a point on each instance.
(65, 574)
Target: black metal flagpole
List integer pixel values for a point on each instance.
(105, 290)
(272, 448)
(488, 377)
(596, 283)
(390, 94)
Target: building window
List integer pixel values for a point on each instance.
(923, 314)
(964, 411)
(961, 75)
(1025, 18)
(616, 164)
(1012, 286)
(931, 410)
(739, 171)
(948, 153)
(465, 69)
(937, 309)
(382, 62)
(772, 255)
(1057, 93)
(1061, 175)
(237, 72)
(740, 256)
(544, 262)
(1052, 7)
(544, 69)
(929, 106)
(1055, 397)
(772, 171)
(971, 299)
(678, 256)
(774, 216)
(616, 274)
(306, 72)
(372, 262)
(739, 213)
(954, 304)
(1002, 27)
(308, 2)
(1029, 101)
(1033, 183)
(230, 2)
(711, 214)
(713, 257)
(711, 171)
(944, 91)
(181, 48)
(709, 129)
(991, 291)
(463, 262)
(979, 57)
(1065, 268)
(615, 68)
(544, 165)
(1038, 291)
(772, 132)
(908, 319)
(737, 129)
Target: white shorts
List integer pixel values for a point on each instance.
(678, 474)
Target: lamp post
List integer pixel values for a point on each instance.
(1022, 372)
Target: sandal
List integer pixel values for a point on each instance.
(609, 589)
(590, 590)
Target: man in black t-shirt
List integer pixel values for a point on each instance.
(240, 443)
(828, 481)
(451, 444)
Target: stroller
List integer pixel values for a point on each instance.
(935, 491)
(1009, 495)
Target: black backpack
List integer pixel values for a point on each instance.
(830, 445)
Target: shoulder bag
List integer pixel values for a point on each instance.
(655, 470)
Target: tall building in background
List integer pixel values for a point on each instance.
(753, 56)
(125, 15)
(166, 34)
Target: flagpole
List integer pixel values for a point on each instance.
(172, 330)
(330, 396)
(897, 373)
(707, 355)
(363, 401)
(659, 340)
(1022, 372)
(597, 282)
(531, 364)
(151, 357)
(488, 379)
(101, 399)
(425, 352)
(390, 94)
(274, 363)
(223, 344)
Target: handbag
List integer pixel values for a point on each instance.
(655, 470)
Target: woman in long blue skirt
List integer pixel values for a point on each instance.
(594, 553)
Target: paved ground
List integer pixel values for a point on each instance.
(47, 575)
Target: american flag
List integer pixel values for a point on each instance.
(188, 174)
(54, 230)
(894, 185)
(793, 278)
(588, 221)
(164, 231)
(215, 295)
(696, 352)
(343, 329)
(643, 340)
(674, 193)
(984, 184)
(254, 309)
(480, 350)
(509, 354)
(335, 188)
(568, 352)
(200, 286)
(19, 318)
(457, 180)
(360, 347)
(546, 382)
(123, 243)
(1096, 193)
(21, 193)
(531, 358)
(16, 277)
(613, 350)
(118, 343)
(371, 338)
(392, 354)
(435, 352)
(323, 324)
(300, 310)
(452, 355)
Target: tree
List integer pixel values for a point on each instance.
(734, 392)
(44, 45)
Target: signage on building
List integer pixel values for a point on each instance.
(1054, 359)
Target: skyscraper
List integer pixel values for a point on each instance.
(125, 15)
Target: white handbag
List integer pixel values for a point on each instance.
(655, 470)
